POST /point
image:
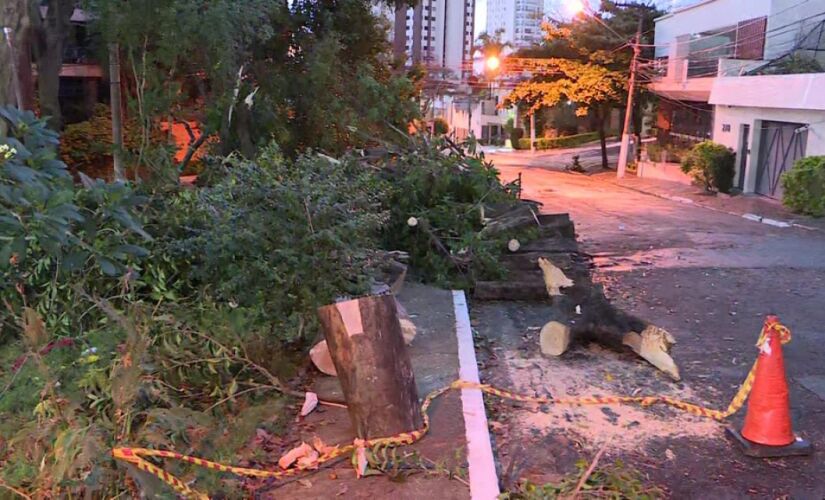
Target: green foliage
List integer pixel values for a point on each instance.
(711, 165)
(440, 126)
(436, 210)
(516, 135)
(282, 238)
(87, 146)
(310, 75)
(615, 481)
(804, 186)
(569, 141)
(669, 153)
(54, 234)
(793, 64)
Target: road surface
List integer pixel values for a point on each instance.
(709, 278)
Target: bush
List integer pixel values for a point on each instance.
(711, 165)
(669, 153)
(440, 126)
(515, 137)
(87, 146)
(178, 349)
(282, 237)
(804, 186)
(58, 235)
(569, 141)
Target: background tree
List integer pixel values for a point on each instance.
(14, 15)
(308, 74)
(491, 45)
(50, 34)
(586, 60)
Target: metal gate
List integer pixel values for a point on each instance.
(782, 144)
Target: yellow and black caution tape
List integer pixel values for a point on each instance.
(137, 456)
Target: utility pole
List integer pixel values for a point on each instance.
(15, 76)
(631, 89)
(117, 111)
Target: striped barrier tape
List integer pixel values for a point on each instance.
(137, 456)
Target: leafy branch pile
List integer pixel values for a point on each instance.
(437, 212)
(171, 318)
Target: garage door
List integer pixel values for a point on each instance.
(781, 145)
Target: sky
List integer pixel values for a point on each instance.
(556, 7)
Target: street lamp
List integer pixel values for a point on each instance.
(493, 63)
(576, 7)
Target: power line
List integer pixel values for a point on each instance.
(734, 28)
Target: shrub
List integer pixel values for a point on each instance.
(515, 137)
(804, 186)
(282, 237)
(670, 153)
(569, 141)
(56, 234)
(87, 146)
(711, 165)
(440, 126)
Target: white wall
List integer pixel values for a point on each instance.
(706, 16)
(735, 117)
(457, 39)
(789, 21)
(798, 91)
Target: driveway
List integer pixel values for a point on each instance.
(709, 278)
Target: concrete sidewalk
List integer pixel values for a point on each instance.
(750, 206)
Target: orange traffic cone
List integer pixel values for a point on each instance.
(768, 431)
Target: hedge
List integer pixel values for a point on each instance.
(568, 141)
(804, 186)
(712, 165)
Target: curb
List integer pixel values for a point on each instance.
(480, 461)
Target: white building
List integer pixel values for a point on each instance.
(519, 21)
(436, 33)
(750, 75)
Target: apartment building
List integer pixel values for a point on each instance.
(747, 74)
(436, 33)
(518, 20)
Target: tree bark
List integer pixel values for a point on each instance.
(13, 15)
(373, 366)
(602, 136)
(50, 35)
(24, 67)
(116, 106)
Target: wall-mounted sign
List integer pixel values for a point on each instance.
(726, 127)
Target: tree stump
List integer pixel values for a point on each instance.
(367, 348)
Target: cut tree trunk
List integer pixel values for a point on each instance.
(581, 312)
(367, 349)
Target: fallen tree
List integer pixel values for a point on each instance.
(552, 266)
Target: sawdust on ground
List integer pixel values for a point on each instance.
(593, 371)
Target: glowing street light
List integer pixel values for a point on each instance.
(493, 63)
(576, 7)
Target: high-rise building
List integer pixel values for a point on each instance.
(518, 20)
(437, 33)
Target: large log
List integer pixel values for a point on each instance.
(581, 311)
(367, 349)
